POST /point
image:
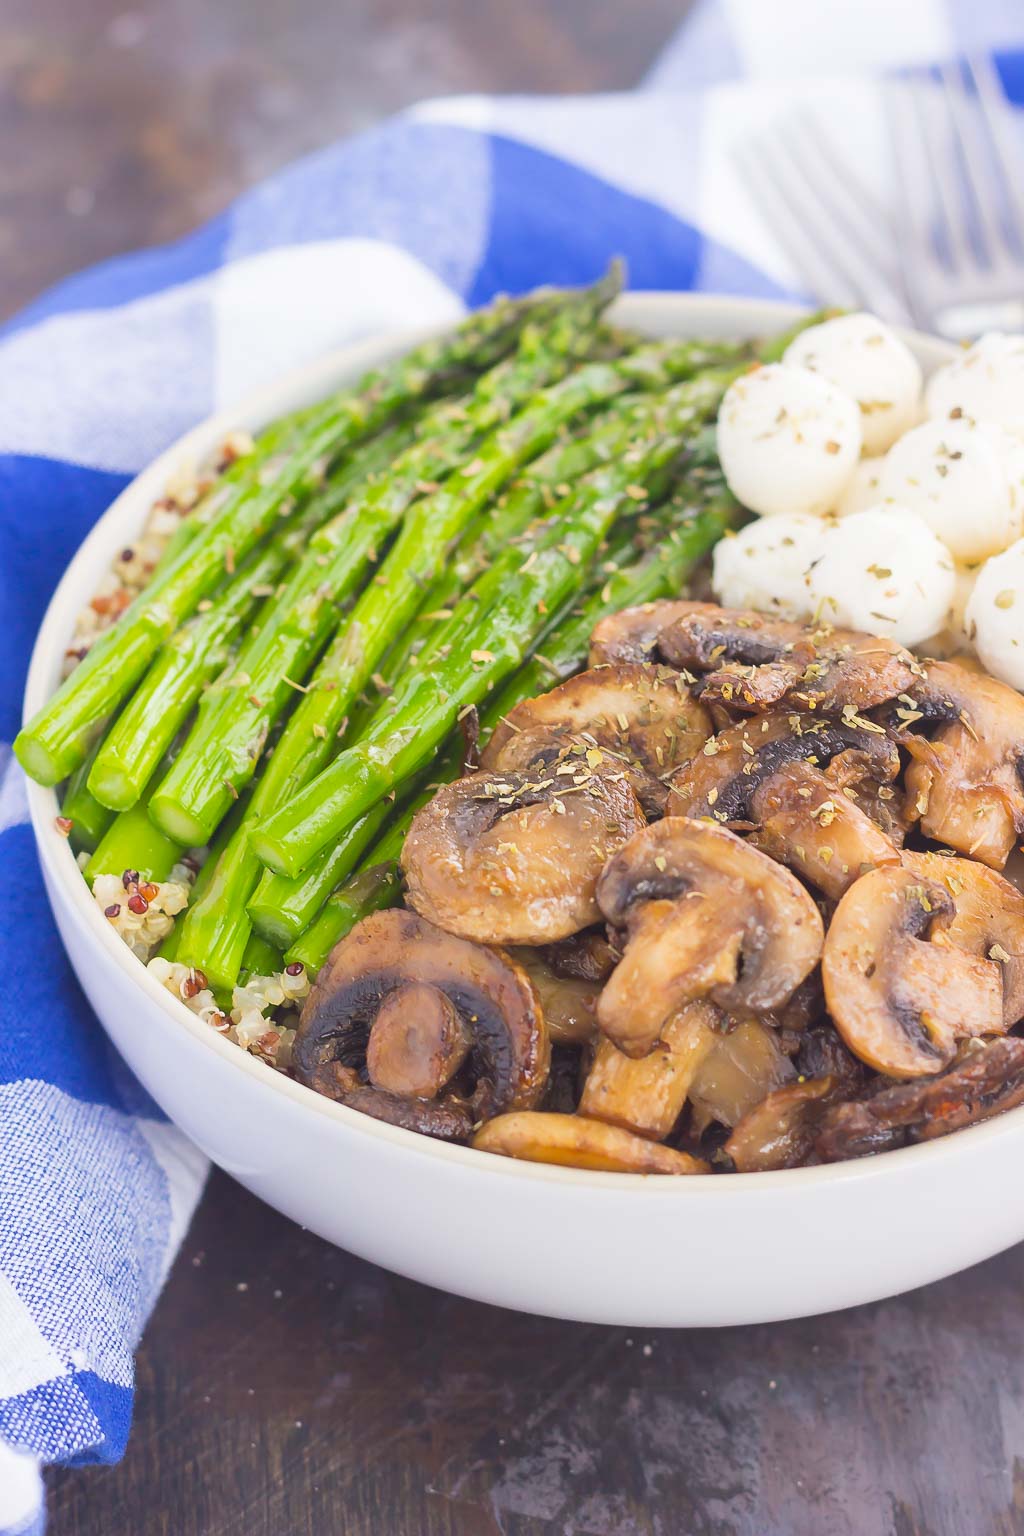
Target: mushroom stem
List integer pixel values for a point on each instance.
(417, 1042)
(648, 1095)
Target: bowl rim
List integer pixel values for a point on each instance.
(310, 380)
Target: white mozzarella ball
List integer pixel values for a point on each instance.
(995, 615)
(863, 357)
(788, 440)
(862, 490)
(766, 565)
(964, 481)
(986, 383)
(884, 570)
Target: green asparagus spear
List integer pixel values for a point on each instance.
(424, 708)
(236, 515)
(696, 520)
(260, 959)
(89, 819)
(370, 890)
(133, 842)
(221, 754)
(281, 911)
(159, 707)
(282, 905)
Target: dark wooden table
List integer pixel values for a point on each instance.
(287, 1389)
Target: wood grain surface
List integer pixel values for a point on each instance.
(285, 1388)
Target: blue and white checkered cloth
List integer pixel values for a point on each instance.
(412, 223)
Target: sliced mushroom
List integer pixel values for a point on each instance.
(805, 822)
(986, 1082)
(901, 992)
(632, 635)
(466, 998)
(510, 858)
(988, 918)
(569, 1003)
(576, 1142)
(640, 717)
(706, 915)
(721, 780)
(647, 1096)
(965, 783)
(417, 1043)
(780, 1131)
(754, 662)
(741, 1068)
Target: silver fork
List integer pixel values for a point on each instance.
(837, 234)
(960, 215)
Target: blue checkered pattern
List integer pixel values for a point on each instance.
(412, 223)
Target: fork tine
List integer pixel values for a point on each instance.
(857, 231)
(913, 207)
(788, 221)
(939, 139)
(992, 103)
(983, 172)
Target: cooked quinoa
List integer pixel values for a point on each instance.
(137, 561)
(254, 1022)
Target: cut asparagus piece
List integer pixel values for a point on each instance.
(234, 517)
(404, 733)
(220, 756)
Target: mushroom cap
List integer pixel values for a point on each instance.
(779, 1132)
(513, 858)
(988, 1080)
(988, 918)
(900, 990)
(965, 783)
(632, 634)
(641, 716)
(576, 1142)
(706, 915)
(805, 822)
(491, 995)
(756, 662)
(720, 782)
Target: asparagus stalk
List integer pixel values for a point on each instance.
(370, 890)
(281, 909)
(89, 819)
(282, 906)
(236, 515)
(191, 658)
(401, 737)
(133, 842)
(693, 523)
(695, 520)
(220, 756)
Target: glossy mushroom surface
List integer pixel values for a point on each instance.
(514, 858)
(576, 1142)
(803, 821)
(751, 661)
(638, 718)
(485, 1009)
(901, 991)
(964, 783)
(705, 915)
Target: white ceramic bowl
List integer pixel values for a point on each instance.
(597, 1247)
